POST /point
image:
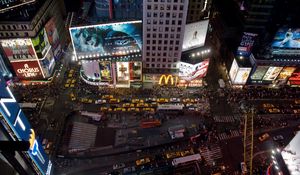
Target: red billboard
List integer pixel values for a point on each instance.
(295, 78)
(18, 49)
(27, 70)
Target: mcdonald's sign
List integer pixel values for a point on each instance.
(164, 80)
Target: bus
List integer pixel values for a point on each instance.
(170, 107)
(150, 123)
(186, 159)
(94, 116)
(28, 105)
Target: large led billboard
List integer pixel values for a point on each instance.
(191, 72)
(259, 73)
(11, 4)
(287, 38)
(246, 44)
(242, 76)
(195, 35)
(41, 43)
(233, 70)
(291, 155)
(123, 72)
(48, 63)
(3, 68)
(107, 39)
(272, 73)
(135, 71)
(105, 71)
(27, 70)
(286, 73)
(91, 69)
(18, 49)
(53, 37)
(20, 126)
(295, 78)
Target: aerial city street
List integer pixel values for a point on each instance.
(150, 87)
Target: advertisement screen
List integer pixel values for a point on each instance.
(107, 39)
(18, 49)
(295, 78)
(91, 69)
(135, 71)
(291, 154)
(287, 38)
(19, 124)
(246, 44)
(242, 76)
(41, 43)
(27, 69)
(233, 70)
(48, 63)
(259, 73)
(272, 73)
(122, 71)
(286, 73)
(105, 70)
(195, 35)
(191, 72)
(11, 4)
(3, 69)
(52, 33)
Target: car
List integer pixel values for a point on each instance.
(132, 105)
(274, 110)
(100, 101)
(175, 100)
(139, 105)
(67, 85)
(70, 75)
(68, 80)
(278, 137)
(142, 161)
(114, 100)
(103, 109)
(244, 167)
(126, 105)
(172, 155)
(268, 105)
(118, 166)
(129, 169)
(186, 100)
(73, 81)
(264, 137)
(107, 96)
(72, 96)
(135, 100)
(118, 109)
(72, 85)
(296, 111)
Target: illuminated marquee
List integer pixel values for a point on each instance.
(20, 126)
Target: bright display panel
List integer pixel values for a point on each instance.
(195, 35)
(135, 71)
(18, 49)
(48, 63)
(295, 77)
(107, 39)
(91, 69)
(122, 71)
(27, 70)
(291, 155)
(41, 43)
(52, 33)
(11, 4)
(286, 72)
(19, 124)
(105, 71)
(259, 73)
(287, 38)
(272, 73)
(233, 70)
(246, 44)
(242, 76)
(3, 68)
(191, 72)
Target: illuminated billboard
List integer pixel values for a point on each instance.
(291, 155)
(123, 72)
(233, 70)
(48, 63)
(105, 71)
(135, 71)
(41, 43)
(246, 44)
(259, 73)
(53, 37)
(287, 38)
(295, 78)
(18, 49)
(11, 4)
(195, 35)
(3, 68)
(286, 73)
(107, 39)
(242, 76)
(27, 70)
(20, 126)
(272, 73)
(91, 69)
(191, 72)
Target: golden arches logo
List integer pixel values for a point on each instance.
(164, 80)
(31, 139)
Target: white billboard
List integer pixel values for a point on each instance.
(291, 155)
(233, 70)
(242, 76)
(122, 71)
(195, 35)
(193, 71)
(272, 73)
(91, 69)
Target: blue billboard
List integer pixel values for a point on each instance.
(19, 124)
(287, 38)
(107, 39)
(246, 44)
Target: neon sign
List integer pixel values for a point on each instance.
(20, 126)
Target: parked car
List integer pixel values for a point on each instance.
(264, 137)
(118, 166)
(278, 137)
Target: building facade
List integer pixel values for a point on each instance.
(198, 10)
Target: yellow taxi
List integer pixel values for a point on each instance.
(147, 105)
(69, 80)
(73, 81)
(146, 109)
(162, 100)
(136, 109)
(118, 109)
(72, 96)
(126, 105)
(103, 109)
(130, 109)
(172, 155)
(264, 137)
(90, 101)
(132, 105)
(70, 75)
(274, 110)
(72, 85)
(67, 85)
(123, 109)
(139, 105)
(71, 70)
(186, 100)
(296, 111)
(141, 101)
(142, 161)
(114, 100)
(187, 152)
(107, 96)
(135, 100)
(152, 110)
(268, 105)
(84, 100)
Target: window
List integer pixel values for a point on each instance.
(149, 14)
(154, 21)
(148, 21)
(147, 65)
(177, 41)
(181, 7)
(166, 35)
(148, 47)
(152, 65)
(180, 15)
(169, 65)
(154, 42)
(174, 7)
(158, 65)
(148, 41)
(165, 54)
(161, 22)
(171, 48)
(172, 35)
(167, 22)
(167, 15)
(161, 14)
(176, 54)
(178, 36)
(167, 29)
(172, 29)
(148, 28)
(165, 47)
(174, 65)
(159, 48)
(179, 22)
(148, 7)
(14, 26)
(171, 42)
(148, 35)
(153, 48)
(165, 41)
(178, 29)
(155, 14)
(153, 59)
(160, 29)
(176, 48)
(26, 33)
(174, 15)
(158, 59)
(148, 54)
(173, 22)
(147, 59)
(154, 28)
(155, 7)
(159, 41)
(163, 65)
(168, 7)
(154, 35)
(162, 7)
(164, 60)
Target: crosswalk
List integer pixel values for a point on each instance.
(211, 154)
(83, 136)
(225, 119)
(233, 133)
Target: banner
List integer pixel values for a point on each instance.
(122, 72)
(41, 43)
(27, 70)
(18, 49)
(191, 72)
(272, 73)
(105, 71)
(135, 69)
(286, 73)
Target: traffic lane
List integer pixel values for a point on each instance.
(232, 150)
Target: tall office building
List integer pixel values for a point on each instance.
(198, 10)
(163, 32)
(128, 9)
